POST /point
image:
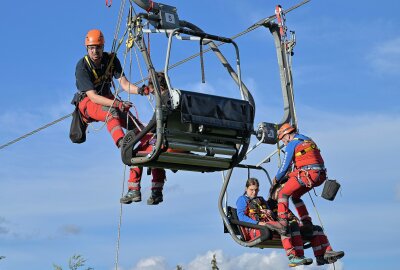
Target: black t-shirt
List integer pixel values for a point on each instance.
(85, 78)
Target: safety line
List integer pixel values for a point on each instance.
(316, 210)
(120, 223)
(35, 131)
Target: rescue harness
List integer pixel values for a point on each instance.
(107, 76)
(304, 151)
(307, 181)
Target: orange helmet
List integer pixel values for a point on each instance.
(286, 128)
(94, 37)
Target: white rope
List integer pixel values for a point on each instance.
(120, 223)
(119, 20)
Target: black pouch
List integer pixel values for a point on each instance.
(331, 187)
(77, 132)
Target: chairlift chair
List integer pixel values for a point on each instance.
(193, 131)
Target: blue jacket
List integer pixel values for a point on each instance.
(241, 205)
(289, 155)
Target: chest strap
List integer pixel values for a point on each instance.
(107, 74)
(305, 150)
(308, 149)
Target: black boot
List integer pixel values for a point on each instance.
(131, 196)
(155, 198)
(332, 256)
(320, 260)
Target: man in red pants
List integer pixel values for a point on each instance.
(308, 172)
(94, 76)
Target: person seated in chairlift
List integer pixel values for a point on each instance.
(134, 194)
(255, 209)
(145, 145)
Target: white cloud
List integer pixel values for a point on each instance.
(246, 261)
(152, 263)
(385, 58)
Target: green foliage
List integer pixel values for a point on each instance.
(75, 262)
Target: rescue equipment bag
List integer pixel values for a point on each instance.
(77, 132)
(330, 190)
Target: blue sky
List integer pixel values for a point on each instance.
(58, 199)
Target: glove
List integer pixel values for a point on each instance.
(143, 90)
(123, 106)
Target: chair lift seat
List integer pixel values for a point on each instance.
(204, 133)
(269, 238)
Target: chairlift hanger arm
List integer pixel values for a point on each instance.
(224, 216)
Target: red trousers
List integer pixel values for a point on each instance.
(157, 183)
(319, 242)
(293, 243)
(299, 183)
(116, 120)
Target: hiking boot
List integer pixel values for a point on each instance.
(308, 261)
(321, 260)
(332, 256)
(296, 261)
(155, 198)
(131, 196)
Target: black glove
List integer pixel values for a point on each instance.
(123, 106)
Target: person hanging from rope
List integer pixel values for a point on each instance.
(308, 172)
(94, 77)
(254, 209)
(134, 194)
(318, 240)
